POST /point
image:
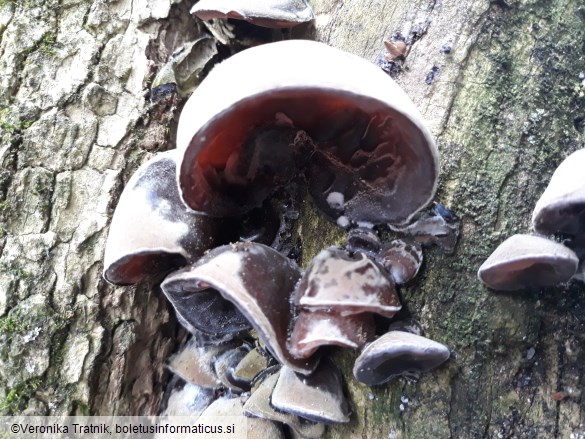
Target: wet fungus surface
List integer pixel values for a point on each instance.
(370, 156)
(304, 119)
(524, 261)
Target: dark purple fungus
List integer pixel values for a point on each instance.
(318, 397)
(266, 13)
(398, 353)
(258, 405)
(257, 280)
(402, 260)
(363, 239)
(371, 157)
(349, 284)
(525, 261)
(224, 365)
(202, 309)
(577, 244)
(313, 329)
(260, 225)
(432, 229)
(152, 232)
(561, 208)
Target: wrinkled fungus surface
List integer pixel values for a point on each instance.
(371, 157)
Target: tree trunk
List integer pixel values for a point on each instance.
(500, 84)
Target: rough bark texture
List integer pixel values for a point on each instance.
(506, 105)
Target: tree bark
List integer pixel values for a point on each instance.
(506, 104)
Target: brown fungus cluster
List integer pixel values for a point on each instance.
(532, 261)
(208, 218)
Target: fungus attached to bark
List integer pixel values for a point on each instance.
(258, 405)
(350, 284)
(317, 398)
(257, 280)
(193, 364)
(370, 157)
(561, 208)
(363, 239)
(398, 353)
(152, 231)
(313, 329)
(227, 408)
(524, 261)
(202, 309)
(402, 259)
(251, 365)
(266, 13)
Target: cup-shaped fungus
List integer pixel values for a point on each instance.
(152, 231)
(398, 353)
(336, 296)
(371, 157)
(257, 280)
(313, 329)
(351, 284)
(202, 309)
(402, 259)
(524, 261)
(363, 239)
(258, 405)
(266, 13)
(317, 398)
(561, 208)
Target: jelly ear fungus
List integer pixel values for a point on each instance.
(265, 13)
(371, 157)
(257, 280)
(152, 231)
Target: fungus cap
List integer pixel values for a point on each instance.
(402, 260)
(258, 281)
(313, 329)
(318, 397)
(396, 353)
(258, 405)
(374, 160)
(266, 13)
(561, 208)
(524, 261)
(151, 230)
(349, 284)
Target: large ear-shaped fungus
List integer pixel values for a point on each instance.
(524, 261)
(561, 208)
(257, 280)
(349, 284)
(313, 329)
(373, 158)
(266, 13)
(396, 353)
(152, 231)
